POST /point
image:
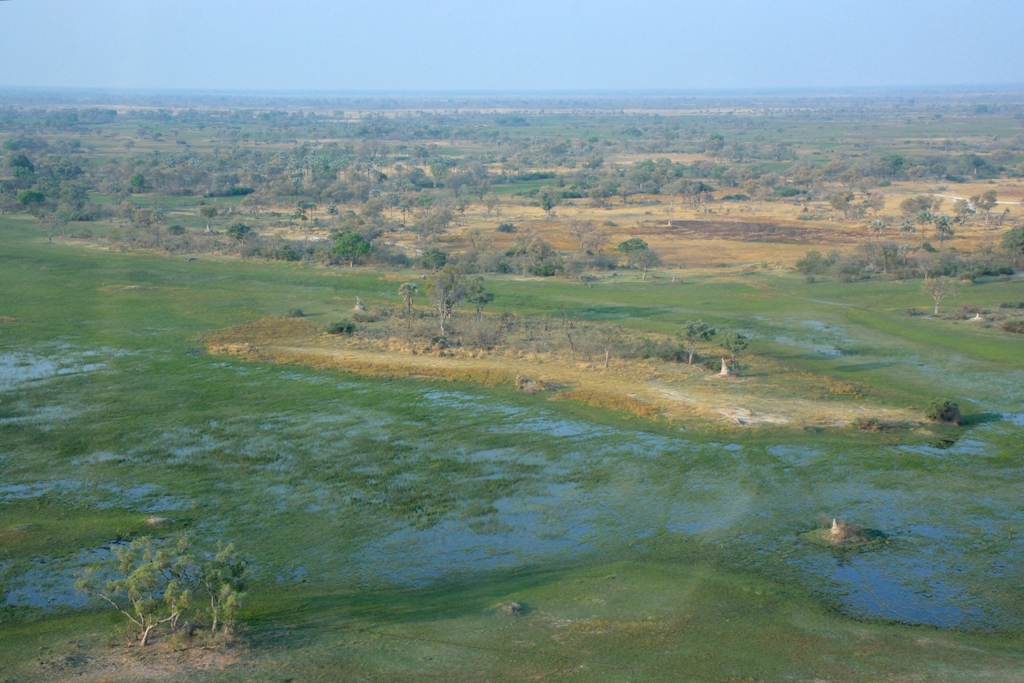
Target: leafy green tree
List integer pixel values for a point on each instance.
(842, 203)
(733, 344)
(911, 206)
(351, 246)
(633, 248)
(548, 200)
(477, 295)
(693, 334)
(714, 144)
(20, 165)
(208, 212)
(239, 231)
(1013, 242)
(814, 263)
(433, 259)
(446, 288)
(152, 584)
(137, 181)
(223, 579)
(28, 197)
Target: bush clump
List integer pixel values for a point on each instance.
(870, 424)
(943, 410)
(506, 227)
(1016, 326)
(342, 327)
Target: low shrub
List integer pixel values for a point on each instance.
(296, 313)
(870, 424)
(507, 227)
(342, 327)
(943, 410)
(1016, 326)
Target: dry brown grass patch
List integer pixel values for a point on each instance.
(649, 389)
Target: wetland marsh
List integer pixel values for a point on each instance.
(387, 520)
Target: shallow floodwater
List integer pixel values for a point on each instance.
(434, 483)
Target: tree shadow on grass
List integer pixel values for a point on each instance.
(979, 419)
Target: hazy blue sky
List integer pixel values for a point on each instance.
(511, 45)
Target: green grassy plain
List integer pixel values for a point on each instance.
(388, 520)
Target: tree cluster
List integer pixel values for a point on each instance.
(161, 585)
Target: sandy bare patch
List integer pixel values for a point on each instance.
(155, 662)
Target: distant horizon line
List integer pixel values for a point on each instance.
(512, 92)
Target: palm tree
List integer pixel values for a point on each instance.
(407, 291)
(944, 228)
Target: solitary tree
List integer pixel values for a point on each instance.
(148, 220)
(239, 231)
(693, 334)
(1013, 242)
(492, 203)
(569, 325)
(351, 246)
(964, 208)
(986, 203)
(939, 288)
(732, 344)
(407, 291)
(645, 259)
(877, 227)
(434, 259)
(477, 295)
(943, 228)
(586, 233)
(255, 203)
(631, 247)
(548, 200)
(446, 288)
(609, 337)
(208, 212)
